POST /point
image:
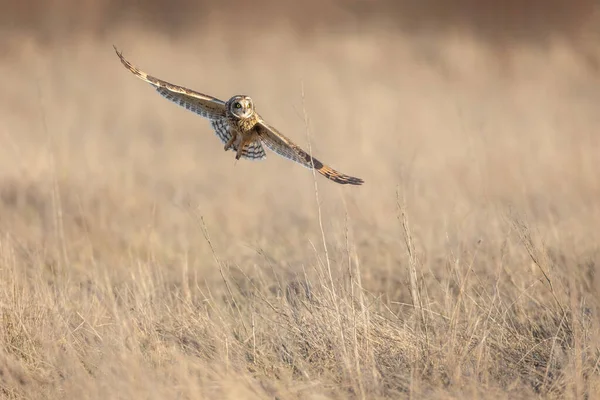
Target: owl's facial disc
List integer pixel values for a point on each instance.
(241, 106)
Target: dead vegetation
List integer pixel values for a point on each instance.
(137, 260)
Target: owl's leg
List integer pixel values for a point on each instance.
(231, 140)
(245, 140)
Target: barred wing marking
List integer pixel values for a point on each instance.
(283, 146)
(221, 129)
(199, 103)
(252, 151)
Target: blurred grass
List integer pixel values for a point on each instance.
(537, 23)
(138, 260)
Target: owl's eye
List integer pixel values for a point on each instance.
(237, 105)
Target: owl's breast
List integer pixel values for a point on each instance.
(245, 125)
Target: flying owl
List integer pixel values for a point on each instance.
(239, 126)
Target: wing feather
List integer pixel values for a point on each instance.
(221, 128)
(252, 151)
(283, 146)
(199, 103)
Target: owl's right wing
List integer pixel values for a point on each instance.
(283, 146)
(204, 105)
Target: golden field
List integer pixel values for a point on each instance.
(139, 260)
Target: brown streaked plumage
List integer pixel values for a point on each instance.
(239, 126)
(283, 146)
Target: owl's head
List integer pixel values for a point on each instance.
(241, 106)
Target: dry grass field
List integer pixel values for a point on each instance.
(138, 260)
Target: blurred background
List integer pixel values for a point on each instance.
(468, 108)
(535, 22)
(480, 116)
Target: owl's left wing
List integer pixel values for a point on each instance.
(283, 146)
(199, 103)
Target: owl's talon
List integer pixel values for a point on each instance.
(229, 143)
(238, 153)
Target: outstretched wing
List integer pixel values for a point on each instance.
(283, 146)
(252, 151)
(206, 106)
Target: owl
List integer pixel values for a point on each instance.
(237, 124)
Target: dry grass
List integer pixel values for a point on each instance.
(138, 260)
